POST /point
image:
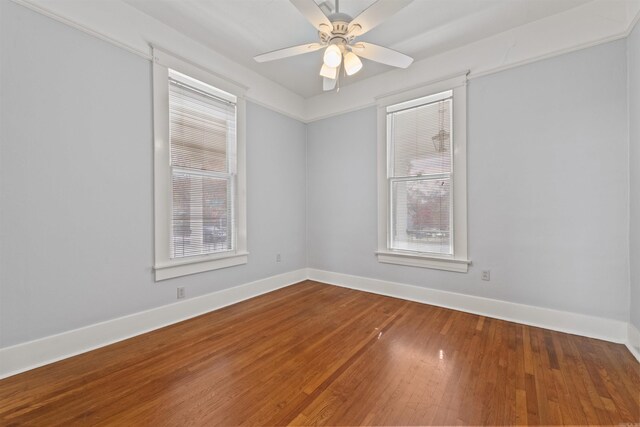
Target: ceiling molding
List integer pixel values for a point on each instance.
(634, 8)
(116, 22)
(593, 23)
(126, 27)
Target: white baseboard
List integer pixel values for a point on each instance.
(32, 354)
(563, 321)
(633, 341)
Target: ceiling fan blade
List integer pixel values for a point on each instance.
(287, 52)
(328, 84)
(314, 14)
(375, 14)
(328, 72)
(381, 54)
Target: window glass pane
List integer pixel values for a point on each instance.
(421, 140)
(201, 129)
(421, 216)
(202, 217)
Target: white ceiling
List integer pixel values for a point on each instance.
(241, 29)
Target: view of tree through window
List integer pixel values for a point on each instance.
(420, 178)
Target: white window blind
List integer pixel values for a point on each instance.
(202, 131)
(419, 174)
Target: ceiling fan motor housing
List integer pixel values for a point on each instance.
(340, 21)
(340, 33)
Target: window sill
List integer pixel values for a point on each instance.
(177, 268)
(424, 261)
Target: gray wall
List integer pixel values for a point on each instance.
(633, 46)
(547, 188)
(76, 225)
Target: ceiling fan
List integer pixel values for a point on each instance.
(338, 33)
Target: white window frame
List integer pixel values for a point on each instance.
(165, 267)
(458, 261)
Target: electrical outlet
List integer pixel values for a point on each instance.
(278, 258)
(486, 275)
(180, 293)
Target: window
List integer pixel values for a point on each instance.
(422, 177)
(198, 170)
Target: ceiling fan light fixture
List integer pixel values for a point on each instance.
(352, 63)
(332, 56)
(337, 32)
(329, 72)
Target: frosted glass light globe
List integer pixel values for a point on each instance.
(332, 56)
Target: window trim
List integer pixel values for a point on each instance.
(459, 261)
(164, 266)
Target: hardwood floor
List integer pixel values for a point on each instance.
(316, 354)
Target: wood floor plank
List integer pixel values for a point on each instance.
(315, 354)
